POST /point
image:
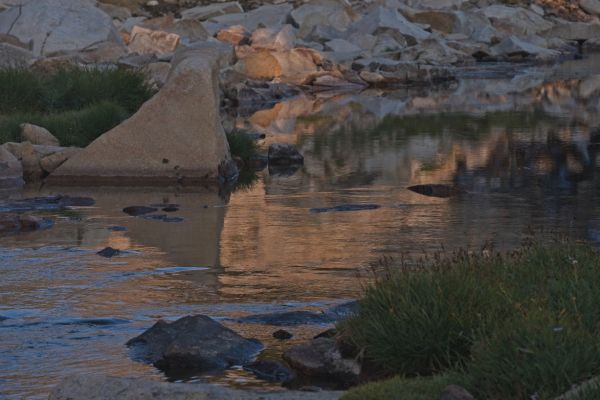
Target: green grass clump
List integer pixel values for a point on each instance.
(242, 145)
(75, 104)
(518, 325)
(399, 388)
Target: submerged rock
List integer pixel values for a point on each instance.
(108, 252)
(436, 190)
(193, 343)
(135, 211)
(346, 207)
(282, 334)
(321, 358)
(271, 371)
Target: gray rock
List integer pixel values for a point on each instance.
(335, 14)
(266, 16)
(512, 45)
(11, 170)
(321, 358)
(516, 20)
(108, 252)
(574, 31)
(54, 160)
(38, 135)
(97, 387)
(385, 18)
(289, 318)
(202, 13)
(136, 211)
(58, 26)
(30, 159)
(590, 6)
(341, 46)
(436, 190)
(455, 392)
(284, 154)
(194, 343)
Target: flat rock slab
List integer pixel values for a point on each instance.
(99, 387)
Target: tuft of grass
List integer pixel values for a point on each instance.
(517, 325)
(241, 145)
(71, 128)
(400, 388)
(75, 104)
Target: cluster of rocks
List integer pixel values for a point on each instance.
(35, 157)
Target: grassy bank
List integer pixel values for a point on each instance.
(76, 105)
(505, 326)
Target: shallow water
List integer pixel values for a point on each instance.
(525, 150)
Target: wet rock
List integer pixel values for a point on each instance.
(282, 334)
(16, 223)
(345, 207)
(97, 387)
(11, 170)
(512, 46)
(284, 154)
(271, 371)
(170, 209)
(259, 162)
(81, 25)
(436, 190)
(321, 358)
(193, 343)
(289, 318)
(345, 309)
(38, 135)
(135, 211)
(162, 217)
(75, 201)
(109, 252)
(455, 392)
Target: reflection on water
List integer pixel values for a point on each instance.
(526, 152)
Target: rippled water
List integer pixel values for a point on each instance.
(525, 150)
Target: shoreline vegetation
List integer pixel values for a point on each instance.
(519, 325)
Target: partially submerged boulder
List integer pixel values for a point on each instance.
(175, 137)
(17, 223)
(194, 343)
(11, 170)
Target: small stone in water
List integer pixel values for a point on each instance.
(117, 228)
(282, 334)
(139, 210)
(109, 252)
(170, 209)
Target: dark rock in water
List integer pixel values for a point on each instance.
(170, 209)
(135, 211)
(436, 190)
(162, 217)
(329, 333)
(271, 371)
(3, 318)
(68, 201)
(16, 223)
(455, 392)
(93, 321)
(282, 334)
(193, 343)
(284, 154)
(117, 228)
(165, 205)
(346, 207)
(109, 252)
(321, 358)
(289, 318)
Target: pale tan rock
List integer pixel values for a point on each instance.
(284, 39)
(146, 41)
(29, 158)
(157, 73)
(293, 66)
(234, 35)
(38, 135)
(260, 65)
(52, 161)
(175, 137)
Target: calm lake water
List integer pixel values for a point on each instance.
(525, 148)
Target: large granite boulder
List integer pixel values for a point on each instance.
(194, 343)
(98, 387)
(516, 20)
(58, 26)
(15, 57)
(574, 31)
(290, 66)
(336, 14)
(38, 135)
(175, 137)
